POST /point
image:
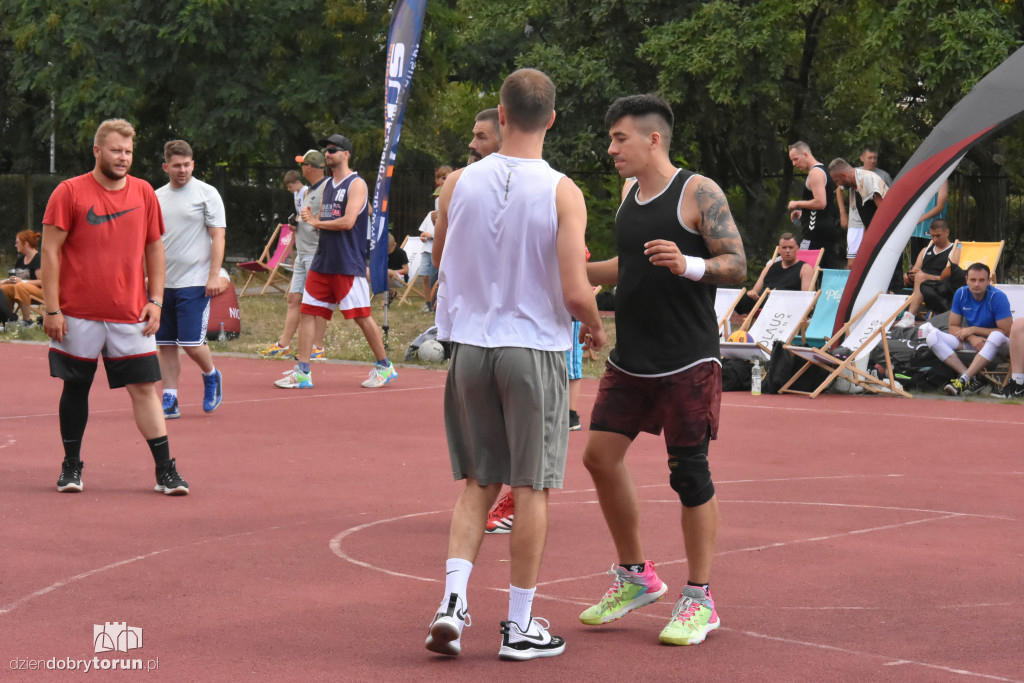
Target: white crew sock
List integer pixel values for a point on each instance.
(456, 579)
(520, 608)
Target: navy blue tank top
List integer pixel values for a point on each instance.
(664, 323)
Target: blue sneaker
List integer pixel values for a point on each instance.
(213, 391)
(171, 411)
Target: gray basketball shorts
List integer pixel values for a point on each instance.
(506, 413)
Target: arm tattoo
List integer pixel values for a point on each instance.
(728, 262)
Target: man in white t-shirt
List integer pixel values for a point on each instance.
(866, 192)
(194, 243)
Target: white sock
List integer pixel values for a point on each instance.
(520, 607)
(1018, 377)
(172, 392)
(211, 373)
(456, 579)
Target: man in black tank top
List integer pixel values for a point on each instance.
(788, 273)
(932, 275)
(676, 241)
(816, 210)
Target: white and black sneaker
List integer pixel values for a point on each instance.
(530, 644)
(169, 481)
(1011, 390)
(445, 634)
(70, 476)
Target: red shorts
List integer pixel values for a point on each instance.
(350, 294)
(685, 404)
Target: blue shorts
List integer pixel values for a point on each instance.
(574, 356)
(184, 317)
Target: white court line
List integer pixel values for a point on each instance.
(335, 545)
(10, 442)
(114, 565)
(286, 395)
(886, 660)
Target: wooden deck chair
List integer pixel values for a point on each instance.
(1015, 293)
(823, 319)
(413, 247)
(269, 263)
(861, 334)
(725, 303)
(781, 315)
(988, 253)
(809, 256)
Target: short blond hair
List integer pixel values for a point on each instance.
(119, 126)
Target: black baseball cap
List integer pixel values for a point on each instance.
(339, 141)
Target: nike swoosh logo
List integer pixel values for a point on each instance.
(536, 639)
(462, 614)
(97, 219)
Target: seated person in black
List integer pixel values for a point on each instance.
(935, 275)
(398, 264)
(786, 272)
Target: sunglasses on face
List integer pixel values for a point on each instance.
(334, 150)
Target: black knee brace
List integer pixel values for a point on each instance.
(690, 475)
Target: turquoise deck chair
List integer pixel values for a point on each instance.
(823, 320)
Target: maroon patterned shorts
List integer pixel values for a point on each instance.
(685, 404)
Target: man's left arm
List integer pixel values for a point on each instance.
(806, 277)
(708, 209)
(214, 286)
(156, 274)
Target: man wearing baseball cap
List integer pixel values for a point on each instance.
(306, 240)
(337, 274)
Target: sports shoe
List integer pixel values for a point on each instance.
(1011, 390)
(213, 391)
(318, 354)
(295, 379)
(275, 350)
(907, 320)
(70, 476)
(171, 411)
(499, 519)
(630, 591)
(958, 387)
(445, 634)
(534, 642)
(380, 375)
(169, 481)
(693, 618)
(574, 421)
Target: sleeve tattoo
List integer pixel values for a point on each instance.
(728, 262)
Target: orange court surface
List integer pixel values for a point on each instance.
(863, 538)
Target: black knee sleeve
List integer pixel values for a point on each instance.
(689, 474)
(73, 415)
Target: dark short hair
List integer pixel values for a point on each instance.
(788, 236)
(490, 115)
(177, 148)
(292, 177)
(528, 96)
(939, 223)
(641, 105)
(978, 265)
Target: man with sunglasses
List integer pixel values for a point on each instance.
(337, 275)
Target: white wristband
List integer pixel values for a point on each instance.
(695, 267)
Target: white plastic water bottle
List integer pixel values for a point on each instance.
(222, 336)
(755, 378)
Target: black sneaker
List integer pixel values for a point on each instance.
(974, 386)
(169, 481)
(1011, 390)
(70, 476)
(535, 641)
(574, 421)
(958, 387)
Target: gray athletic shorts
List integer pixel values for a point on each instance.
(300, 271)
(506, 412)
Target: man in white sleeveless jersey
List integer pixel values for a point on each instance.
(512, 274)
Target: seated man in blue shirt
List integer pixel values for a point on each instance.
(979, 320)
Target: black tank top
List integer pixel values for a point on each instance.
(935, 262)
(779, 277)
(819, 225)
(663, 322)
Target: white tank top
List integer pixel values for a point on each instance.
(499, 277)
